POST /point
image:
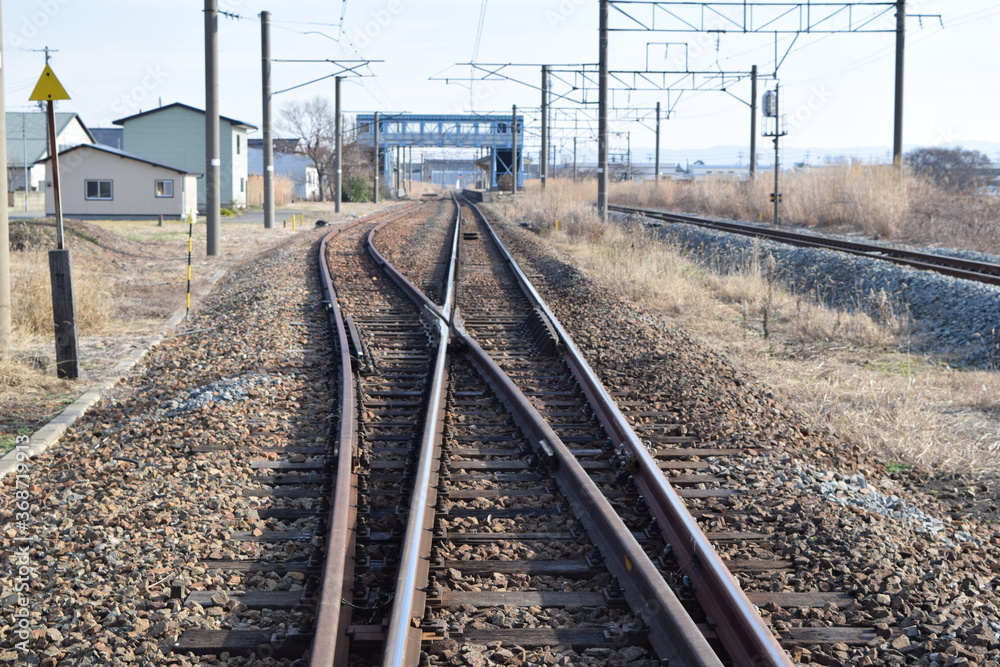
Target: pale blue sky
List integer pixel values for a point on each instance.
(117, 57)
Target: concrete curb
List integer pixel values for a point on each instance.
(52, 432)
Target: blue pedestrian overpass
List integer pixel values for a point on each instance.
(488, 132)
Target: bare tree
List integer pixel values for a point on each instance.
(313, 121)
(953, 168)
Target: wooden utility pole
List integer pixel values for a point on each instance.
(48, 89)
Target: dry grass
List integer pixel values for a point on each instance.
(873, 200)
(31, 293)
(843, 369)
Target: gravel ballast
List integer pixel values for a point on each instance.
(958, 318)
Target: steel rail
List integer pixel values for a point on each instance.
(403, 636)
(747, 639)
(329, 645)
(673, 634)
(956, 267)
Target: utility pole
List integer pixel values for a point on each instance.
(5, 316)
(777, 154)
(375, 134)
(212, 151)
(574, 160)
(338, 159)
(656, 175)
(602, 115)
(543, 159)
(265, 63)
(48, 89)
(897, 135)
(753, 123)
(513, 151)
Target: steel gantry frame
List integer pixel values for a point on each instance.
(742, 16)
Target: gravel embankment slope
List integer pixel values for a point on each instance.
(120, 509)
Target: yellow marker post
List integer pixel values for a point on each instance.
(48, 89)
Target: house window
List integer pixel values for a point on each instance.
(98, 189)
(237, 144)
(243, 185)
(165, 188)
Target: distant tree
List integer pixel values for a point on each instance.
(953, 168)
(314, 122)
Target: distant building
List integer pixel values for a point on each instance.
(100, 182)
(28, 143)
(113, 137)
(699, 171)
(289, 161)
(175, 134)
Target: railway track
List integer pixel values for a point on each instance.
(487, 501)
(984, 272)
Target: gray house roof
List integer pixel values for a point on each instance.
(123, 154)
(109, 136)
(233, 121)
(27, 135)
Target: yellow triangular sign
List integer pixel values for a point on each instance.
(48, 87)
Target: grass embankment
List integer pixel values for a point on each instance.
(847, 370)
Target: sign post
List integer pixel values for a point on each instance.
(48, 89)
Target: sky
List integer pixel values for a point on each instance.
(120, 57)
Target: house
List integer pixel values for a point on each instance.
(289, 161)
(175, 134)
(109, 136)
(100, 182)
(28, 143)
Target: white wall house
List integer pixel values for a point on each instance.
(175, 134)
(100, 182)
(28, 144)
(290, 162)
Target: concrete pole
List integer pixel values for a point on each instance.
(375, 130)
(544, 157)
(753, 123)
(777, 154)
(897, 134)
(5, 313)
(338, 159)
(656, 177)
(513, 151)
(574, 160)
(265, 63)
(213, 162)
(602, 115)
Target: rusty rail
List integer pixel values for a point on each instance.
(332, 615)
(739, 626)
(967, 269)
